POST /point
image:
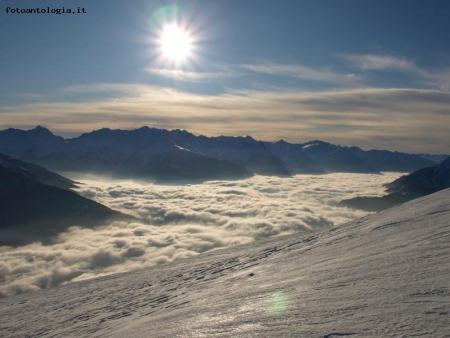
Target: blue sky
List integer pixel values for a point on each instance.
(370, 73)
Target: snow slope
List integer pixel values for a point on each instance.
(384, 275)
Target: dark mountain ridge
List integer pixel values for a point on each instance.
(36, 204)
(417, 184)
(179, 156)
(37, 173)
(423, 181)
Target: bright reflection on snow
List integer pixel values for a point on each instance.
(181, 221)
(278, 303)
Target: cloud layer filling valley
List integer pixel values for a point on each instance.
(181, 221)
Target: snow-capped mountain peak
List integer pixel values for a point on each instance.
(143, 151)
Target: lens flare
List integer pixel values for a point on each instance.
(278, 303)
(164, 14)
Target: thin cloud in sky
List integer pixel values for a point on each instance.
(379, 62)
(293, 71)
(395, 119)
(30, 96)
(432, 78)
(184, 75)
(304, 73)
(439, 79)
(111, 88)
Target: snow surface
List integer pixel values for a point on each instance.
(309, 145)
(384, 275)
(181, 148)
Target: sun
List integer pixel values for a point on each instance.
(175, 43)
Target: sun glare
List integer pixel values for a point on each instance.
(175, 43)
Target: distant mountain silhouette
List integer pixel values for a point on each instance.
(424, 181)
(332, 158)
(36, 205)
(38, 173)
(438, 158)
(417, 184)
(179, 156)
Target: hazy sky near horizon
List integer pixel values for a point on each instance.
(375, 74)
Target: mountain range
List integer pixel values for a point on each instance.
(177, 155)
(37, 204)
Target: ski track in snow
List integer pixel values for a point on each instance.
(384, 275)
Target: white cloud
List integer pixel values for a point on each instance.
(323, 74)
(182, 221)
(184, 75)
(435, 78)
(379, 62)
(439, 79)
(306, 73)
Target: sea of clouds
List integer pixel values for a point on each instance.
(178, 221)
